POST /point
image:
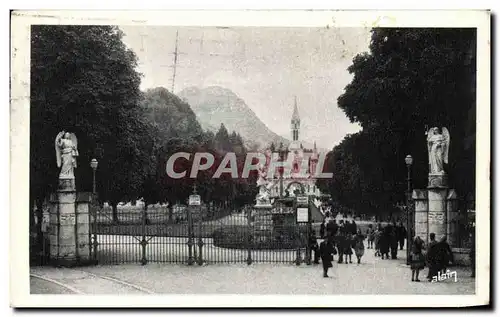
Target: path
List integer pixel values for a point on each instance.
(373, 276)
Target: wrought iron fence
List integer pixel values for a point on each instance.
(136, 235)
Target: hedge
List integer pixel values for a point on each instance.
(239, 237)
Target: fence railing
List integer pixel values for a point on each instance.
(139, 236)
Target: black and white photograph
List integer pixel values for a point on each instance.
(250, 153)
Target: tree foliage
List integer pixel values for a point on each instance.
(84, 80)
(411, 80)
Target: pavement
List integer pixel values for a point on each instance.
(373, 276)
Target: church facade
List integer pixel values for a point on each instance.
(304, 163)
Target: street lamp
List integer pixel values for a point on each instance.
(409, 162)
(93, 164)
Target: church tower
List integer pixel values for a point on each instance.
(295, 122)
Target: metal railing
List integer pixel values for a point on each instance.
(134, 235)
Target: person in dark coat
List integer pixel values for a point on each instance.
(347, 247)
(359, 246)
(332, 228)
(322, 229)
(431, 257)
(326, 250)
(314, 247)
(393, 241)
(417, 258)
(401, 233)
(339, 242)
(354, 228)
(385, 240)
(443, 255)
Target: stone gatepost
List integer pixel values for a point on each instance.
(421, 213)
(452, 217)
(437, 212)
(69, 227)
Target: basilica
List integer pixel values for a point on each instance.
(304, 163)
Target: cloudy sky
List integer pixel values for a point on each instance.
(266, 67)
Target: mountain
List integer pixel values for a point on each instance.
(215, 105)
(172, 116)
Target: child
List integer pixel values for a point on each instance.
(417, 258)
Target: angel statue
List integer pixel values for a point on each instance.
(262, 180)
(66, 153)
(438, 143)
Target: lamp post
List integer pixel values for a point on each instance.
(93, 164)
(409, 162)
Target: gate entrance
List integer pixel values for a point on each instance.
(197, 234)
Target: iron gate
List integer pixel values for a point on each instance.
(195, 235)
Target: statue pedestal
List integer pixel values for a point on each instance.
(69, 233)
(436, 212)
(438, 181)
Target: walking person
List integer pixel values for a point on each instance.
(340, 241)
(359, 245)
(393, 241)
(354, 227)
(347, 247)
(385, 240)
(378, 236)
(417, 258)
(314, 247)
(326, 252)
(371, 236)
(401, 233)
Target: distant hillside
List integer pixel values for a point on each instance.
(172, 116)
(215, 105)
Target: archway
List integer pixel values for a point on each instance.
(295, 184)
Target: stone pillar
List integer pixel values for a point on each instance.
(452, 218)
(69, 227)
(421, 213)
(83, 239)
(437, 212)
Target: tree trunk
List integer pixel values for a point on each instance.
(115, 212)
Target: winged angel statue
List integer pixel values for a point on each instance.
(66, 153)
(438, 143)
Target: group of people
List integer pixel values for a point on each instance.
(341, 239)
(338, 239)
(437, 258)
(387, 239)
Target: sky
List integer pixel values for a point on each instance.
(266, 67)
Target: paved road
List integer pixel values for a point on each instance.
(372, 276)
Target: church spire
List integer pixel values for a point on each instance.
(295, 110)
(295, 122)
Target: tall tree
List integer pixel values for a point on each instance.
(84, 80)
(411, 80)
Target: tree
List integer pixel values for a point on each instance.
(88, 85)
(411, 80)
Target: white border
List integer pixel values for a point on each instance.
(19, 256)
